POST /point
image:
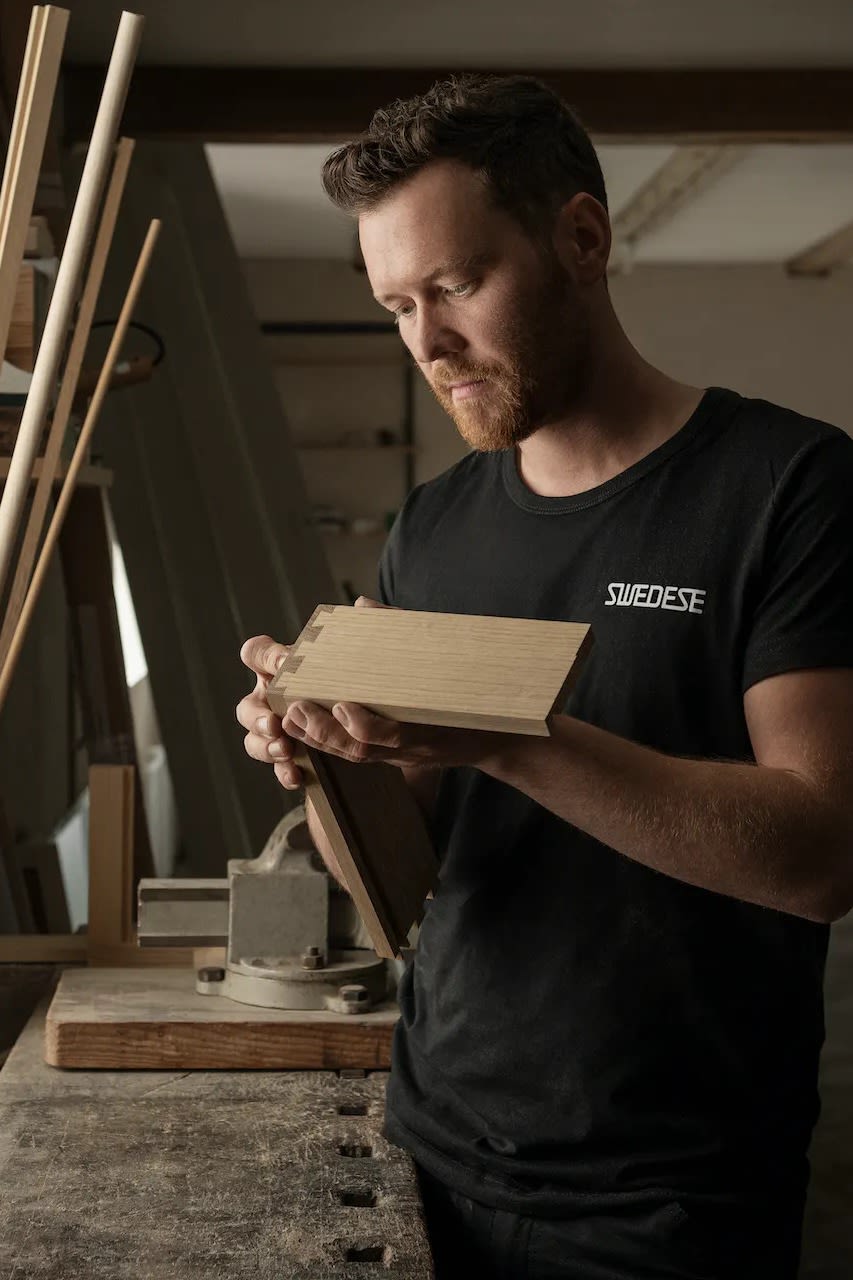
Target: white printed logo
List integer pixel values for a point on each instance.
(646, 595)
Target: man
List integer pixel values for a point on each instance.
(606, 1059)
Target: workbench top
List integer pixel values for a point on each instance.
(200, 1175)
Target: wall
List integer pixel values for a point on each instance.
(750, 328)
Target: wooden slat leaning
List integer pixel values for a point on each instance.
(62, 411)
(494, 674)
(64, 295)
(33, 105)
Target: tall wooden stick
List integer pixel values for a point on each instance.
(67, 279)
(24, 87)
(71, 373)
(33, 105)
(77, 460)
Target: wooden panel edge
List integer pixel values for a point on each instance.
(573, 675)
(43, 948)
(141, 1046)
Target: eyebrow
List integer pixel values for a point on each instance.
(454, 266)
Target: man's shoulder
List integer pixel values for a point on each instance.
(442, 491)
(779, 436)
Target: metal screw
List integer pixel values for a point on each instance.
(211, 974)
(312, 958)
(354, 996)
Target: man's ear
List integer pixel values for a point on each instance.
(582, 238)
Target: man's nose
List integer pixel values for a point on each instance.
(430, 338)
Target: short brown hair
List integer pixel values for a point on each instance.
(527, 144)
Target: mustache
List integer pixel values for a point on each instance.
(463, 373)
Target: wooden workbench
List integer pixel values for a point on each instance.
(200, 1175)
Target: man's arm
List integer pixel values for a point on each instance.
(778, 833)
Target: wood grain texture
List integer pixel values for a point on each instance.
(70, 375)
(43, 948)
(379, 839)
(111, 817)
(500, 674)
(64, 295)
(206, 1175)
(132, 1019)
(39, 75)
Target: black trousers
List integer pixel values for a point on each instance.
(666, 1241)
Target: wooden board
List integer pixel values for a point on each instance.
(379, 839)
(501, 674)
(132, 1018)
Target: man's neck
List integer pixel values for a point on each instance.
(625, 413)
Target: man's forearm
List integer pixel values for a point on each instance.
(760, 834)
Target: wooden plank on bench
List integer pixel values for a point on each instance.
(155, 1019)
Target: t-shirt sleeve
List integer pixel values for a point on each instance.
(803, 615)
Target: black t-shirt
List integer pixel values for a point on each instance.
(575, 1024)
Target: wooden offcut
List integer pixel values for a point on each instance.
(501, 674)
(154, 1019)
(111, 820)
(379, 840)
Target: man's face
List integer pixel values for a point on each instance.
(492, 318)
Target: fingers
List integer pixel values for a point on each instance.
(263, 655)
(352, 732)
(365, 726)
(365, 602)
(289, 775)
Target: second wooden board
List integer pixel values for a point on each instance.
(501, 674)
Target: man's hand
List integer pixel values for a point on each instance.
(349, 730)
(354, 733)
(264, 738)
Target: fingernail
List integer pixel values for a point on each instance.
(340, 714)
(294, 730)
(295, 716)
(276, 748)
(264, 725)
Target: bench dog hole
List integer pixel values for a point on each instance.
(353, 1109)
(355, 1150)
(370, 1253)
(358, 1199)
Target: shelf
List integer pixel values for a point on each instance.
(356, 448)
(348, 533)
(97, 477)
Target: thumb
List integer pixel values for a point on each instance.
(365, 602)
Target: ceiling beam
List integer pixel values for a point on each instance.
(278, 104)
(688, 172)
(834, 251)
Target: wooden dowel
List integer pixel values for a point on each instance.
(24, 84)
(23, 162)
(77, 460)
(70, 376)
(64, 295)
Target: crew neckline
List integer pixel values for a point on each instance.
(712, 399)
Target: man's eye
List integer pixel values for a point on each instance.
(401, 313)
(459, 290)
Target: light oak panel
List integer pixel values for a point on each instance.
(501, 674)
